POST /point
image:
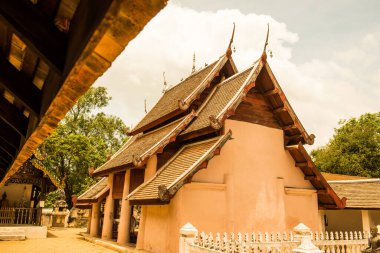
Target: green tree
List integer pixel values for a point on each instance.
(83, 139)
(354, 148)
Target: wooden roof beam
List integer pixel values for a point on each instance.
(6, 157)
(9, 135)
(17, 83)
(6, 147)
(11, 115)
(36, 30)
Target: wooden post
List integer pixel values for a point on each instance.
(108, 211)
(187, 236)
(366, 221)
(89, 221)
(125, 213)
(94, 224)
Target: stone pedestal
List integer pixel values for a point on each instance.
(304, 234)
(187, 236)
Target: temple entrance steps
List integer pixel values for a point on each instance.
(12, 234)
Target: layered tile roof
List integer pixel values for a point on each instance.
(140, 147)
(333, 177)
(179, 97)
(219, 99)
(171, 176)
(95, 192)
(360, 194)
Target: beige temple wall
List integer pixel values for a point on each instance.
(249, 179)
(15, 192)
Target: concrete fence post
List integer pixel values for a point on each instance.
(303, 233)
(187, 236)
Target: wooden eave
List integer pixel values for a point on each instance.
(327, 198)
(141, 160)
(294, 130)
(165, 194)
(95, 38)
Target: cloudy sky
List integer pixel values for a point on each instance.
(326, 55)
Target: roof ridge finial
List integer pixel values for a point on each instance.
(193, 69)
(229, 50)
(264, 55)
(165, 83)
(145, 106)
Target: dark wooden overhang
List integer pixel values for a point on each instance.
(51, 52)
(327, 198)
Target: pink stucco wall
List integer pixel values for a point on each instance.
(242, 190)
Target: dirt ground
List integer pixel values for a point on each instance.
(62, 240)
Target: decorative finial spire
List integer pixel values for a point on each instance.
(145, 106)
(229, 50)
(264, 55)
(165, 83)
(193, 69)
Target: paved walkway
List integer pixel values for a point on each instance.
(63, 240)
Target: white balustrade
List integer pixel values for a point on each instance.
(275, 242)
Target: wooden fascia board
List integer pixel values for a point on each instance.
(309, 139)
(11, 115)
(121, 23)
(38, 32)
(147, 202)
(19, 85)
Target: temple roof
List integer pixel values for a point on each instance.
(172, 175)
(334, 177)
(95, 192)
(140, 147)
(360, 193)
(217, 100)
(180, 97)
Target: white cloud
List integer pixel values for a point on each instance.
(320, 92)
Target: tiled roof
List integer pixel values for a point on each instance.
(332, 176)
(360, 194)
(169, 102)
(217, 100)
(94, 192)
(184, 163)
(139, 147)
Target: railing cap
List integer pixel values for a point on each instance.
(188, 230)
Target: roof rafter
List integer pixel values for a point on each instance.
(13, 117)
(9, 135)
(19, 85)
(37, 31)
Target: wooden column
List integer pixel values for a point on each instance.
(150, 170)
(366, 220)
(89, 221)
(95, 215)
(125, 214)
(108, 212)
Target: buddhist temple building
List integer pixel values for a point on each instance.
(223, 150)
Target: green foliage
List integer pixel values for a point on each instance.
(354, 148)
(52, 197)
(84, 138)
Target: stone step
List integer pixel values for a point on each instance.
(12, 234)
